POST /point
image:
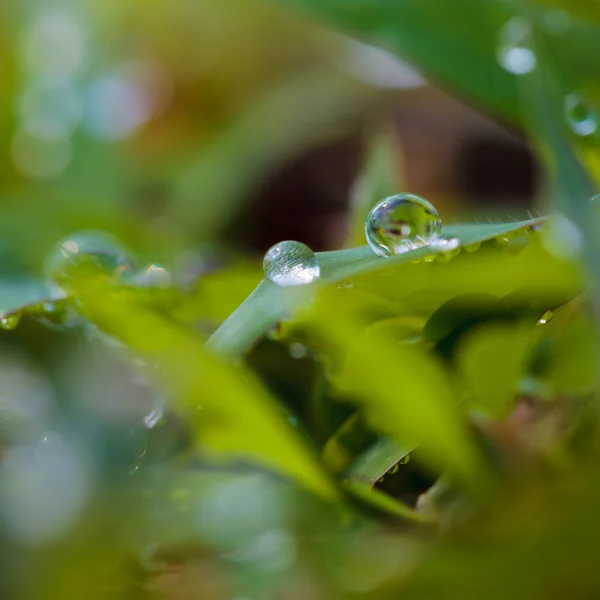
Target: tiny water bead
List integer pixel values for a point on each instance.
(10, 322)
(444, 245)
(472, 247)
(400, 223)
(86, 253)
(515, 53)
(580, 115)
(291, 263)
(154, 276)
(546, 317)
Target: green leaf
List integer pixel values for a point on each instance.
(382, 503)
(231, 412)
(491, 361)
(379, 178)
(378, 460)
(439, 38)
(268, 304)
(403, 391)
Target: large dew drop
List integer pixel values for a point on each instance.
(291, 263)
(580, 116)
(86, 254)
(401, 223)
(515, 53)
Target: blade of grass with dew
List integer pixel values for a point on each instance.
(268, 303)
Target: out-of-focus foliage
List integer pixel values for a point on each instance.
(419, 426)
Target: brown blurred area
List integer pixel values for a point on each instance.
(460, 160)
(270, 112)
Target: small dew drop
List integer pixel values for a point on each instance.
(546, 317)
(562, 238)
(447, 255)
(154, 276)
(291, 263)
(404, 460)
(472, 247)
(10, 322)
(515, 53)
(84, 253)
(394, 469)
(152, 419)
(444, 244)
(401, 223)
(49, 308)
(298, 350)
(580, 115)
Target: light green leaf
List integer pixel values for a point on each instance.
(493, 273)
(491, 361)
(232, 414)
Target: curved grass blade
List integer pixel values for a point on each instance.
(231, 413)
(268, 303)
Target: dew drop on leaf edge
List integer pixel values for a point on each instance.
(92, 250)
(291, 263)
(401, 223)
(10, 322)
(580, 115)
(515, 52)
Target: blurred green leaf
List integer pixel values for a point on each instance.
(492, 273)
(232, 414)
(438, 38)
(379, 178)
(404, 392)
(490, 361)
(378, 460)
(382, 503)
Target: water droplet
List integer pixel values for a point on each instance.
(562, 238)
(447, 255)
(515, 53)
(153, 417)
(154, 276)
(49, 308)
(47, 486)
(394, 469)
(86, 253)
(298, 350)
(444, 244)
(401, 223)
(580, 115)
(291, 263)
(404, 460)
(546, 317)
(10, 322)
(472, 247)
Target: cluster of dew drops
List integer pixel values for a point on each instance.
(394, 226)
(516, 54)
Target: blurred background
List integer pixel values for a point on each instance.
(198, 134)
(179, 123)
